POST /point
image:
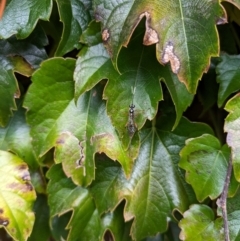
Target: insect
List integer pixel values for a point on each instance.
(131, 126)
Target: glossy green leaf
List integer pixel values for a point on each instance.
(205, 162)
(17, 197)
(15, 137)
(21, 56)
(232, 128)
(199, 224)
(228, 71)
(52, 111)
(86, 221)
(75, 17)
(20, 17)
(177, 30)
(150, 192)
(8, 91)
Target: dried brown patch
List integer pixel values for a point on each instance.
(169, 55)
(4, 221)
(105, 35)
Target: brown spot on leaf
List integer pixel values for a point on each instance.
(22, 167)
(105, 35)
(150, 36)
(60, 141)
(1, 211)
(28, 186)
(26, 177)
(4, 221)
(169, 55)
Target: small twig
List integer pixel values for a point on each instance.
(222, 201)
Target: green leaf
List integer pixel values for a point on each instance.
(20, 56)
(199, 224)
(228, 76)
(86, 222)
(52, 111)
(17, 197)
(20, 17)
(15, 137)
(151, 195)
(232, 128)
(92, 66)
(8, 91)
(205, 162)
(75, 17)
(177, 30)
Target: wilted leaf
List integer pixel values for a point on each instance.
(199, 224)
(231, 126)
(17, 197)
(20, 17)
(15, 137)
(150, 192)
(205, 162)
(177, 30)
(228, 71)
(75, 17)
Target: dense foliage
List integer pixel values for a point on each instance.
(107, 132)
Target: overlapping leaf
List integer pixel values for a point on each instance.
(21, 56)
(231, 126)
(17, 197)
(15, 137)
(156, 185)
(86, 222)
(75, 17)
(52, 111)
(228, 71)
(205, 162)
(20, 17)
(177, 30)
(199, 224)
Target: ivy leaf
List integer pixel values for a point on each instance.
(231, 127)
(15, 137)
(172, 29)
(199, 224)
(75, 17)
(21, 56)
(86, 222)
(15, 22)
(17, 197)
(52, 111)
(150, 194)
(205, 162)
(228, 76)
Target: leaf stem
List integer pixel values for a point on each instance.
(222, 201)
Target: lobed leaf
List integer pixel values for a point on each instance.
(176, 30)
(75, 16)
(199, 224)
(20, 17)
(205, 162)
(17, 197)
(150, 193)
(86, 222)
(15, 137)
